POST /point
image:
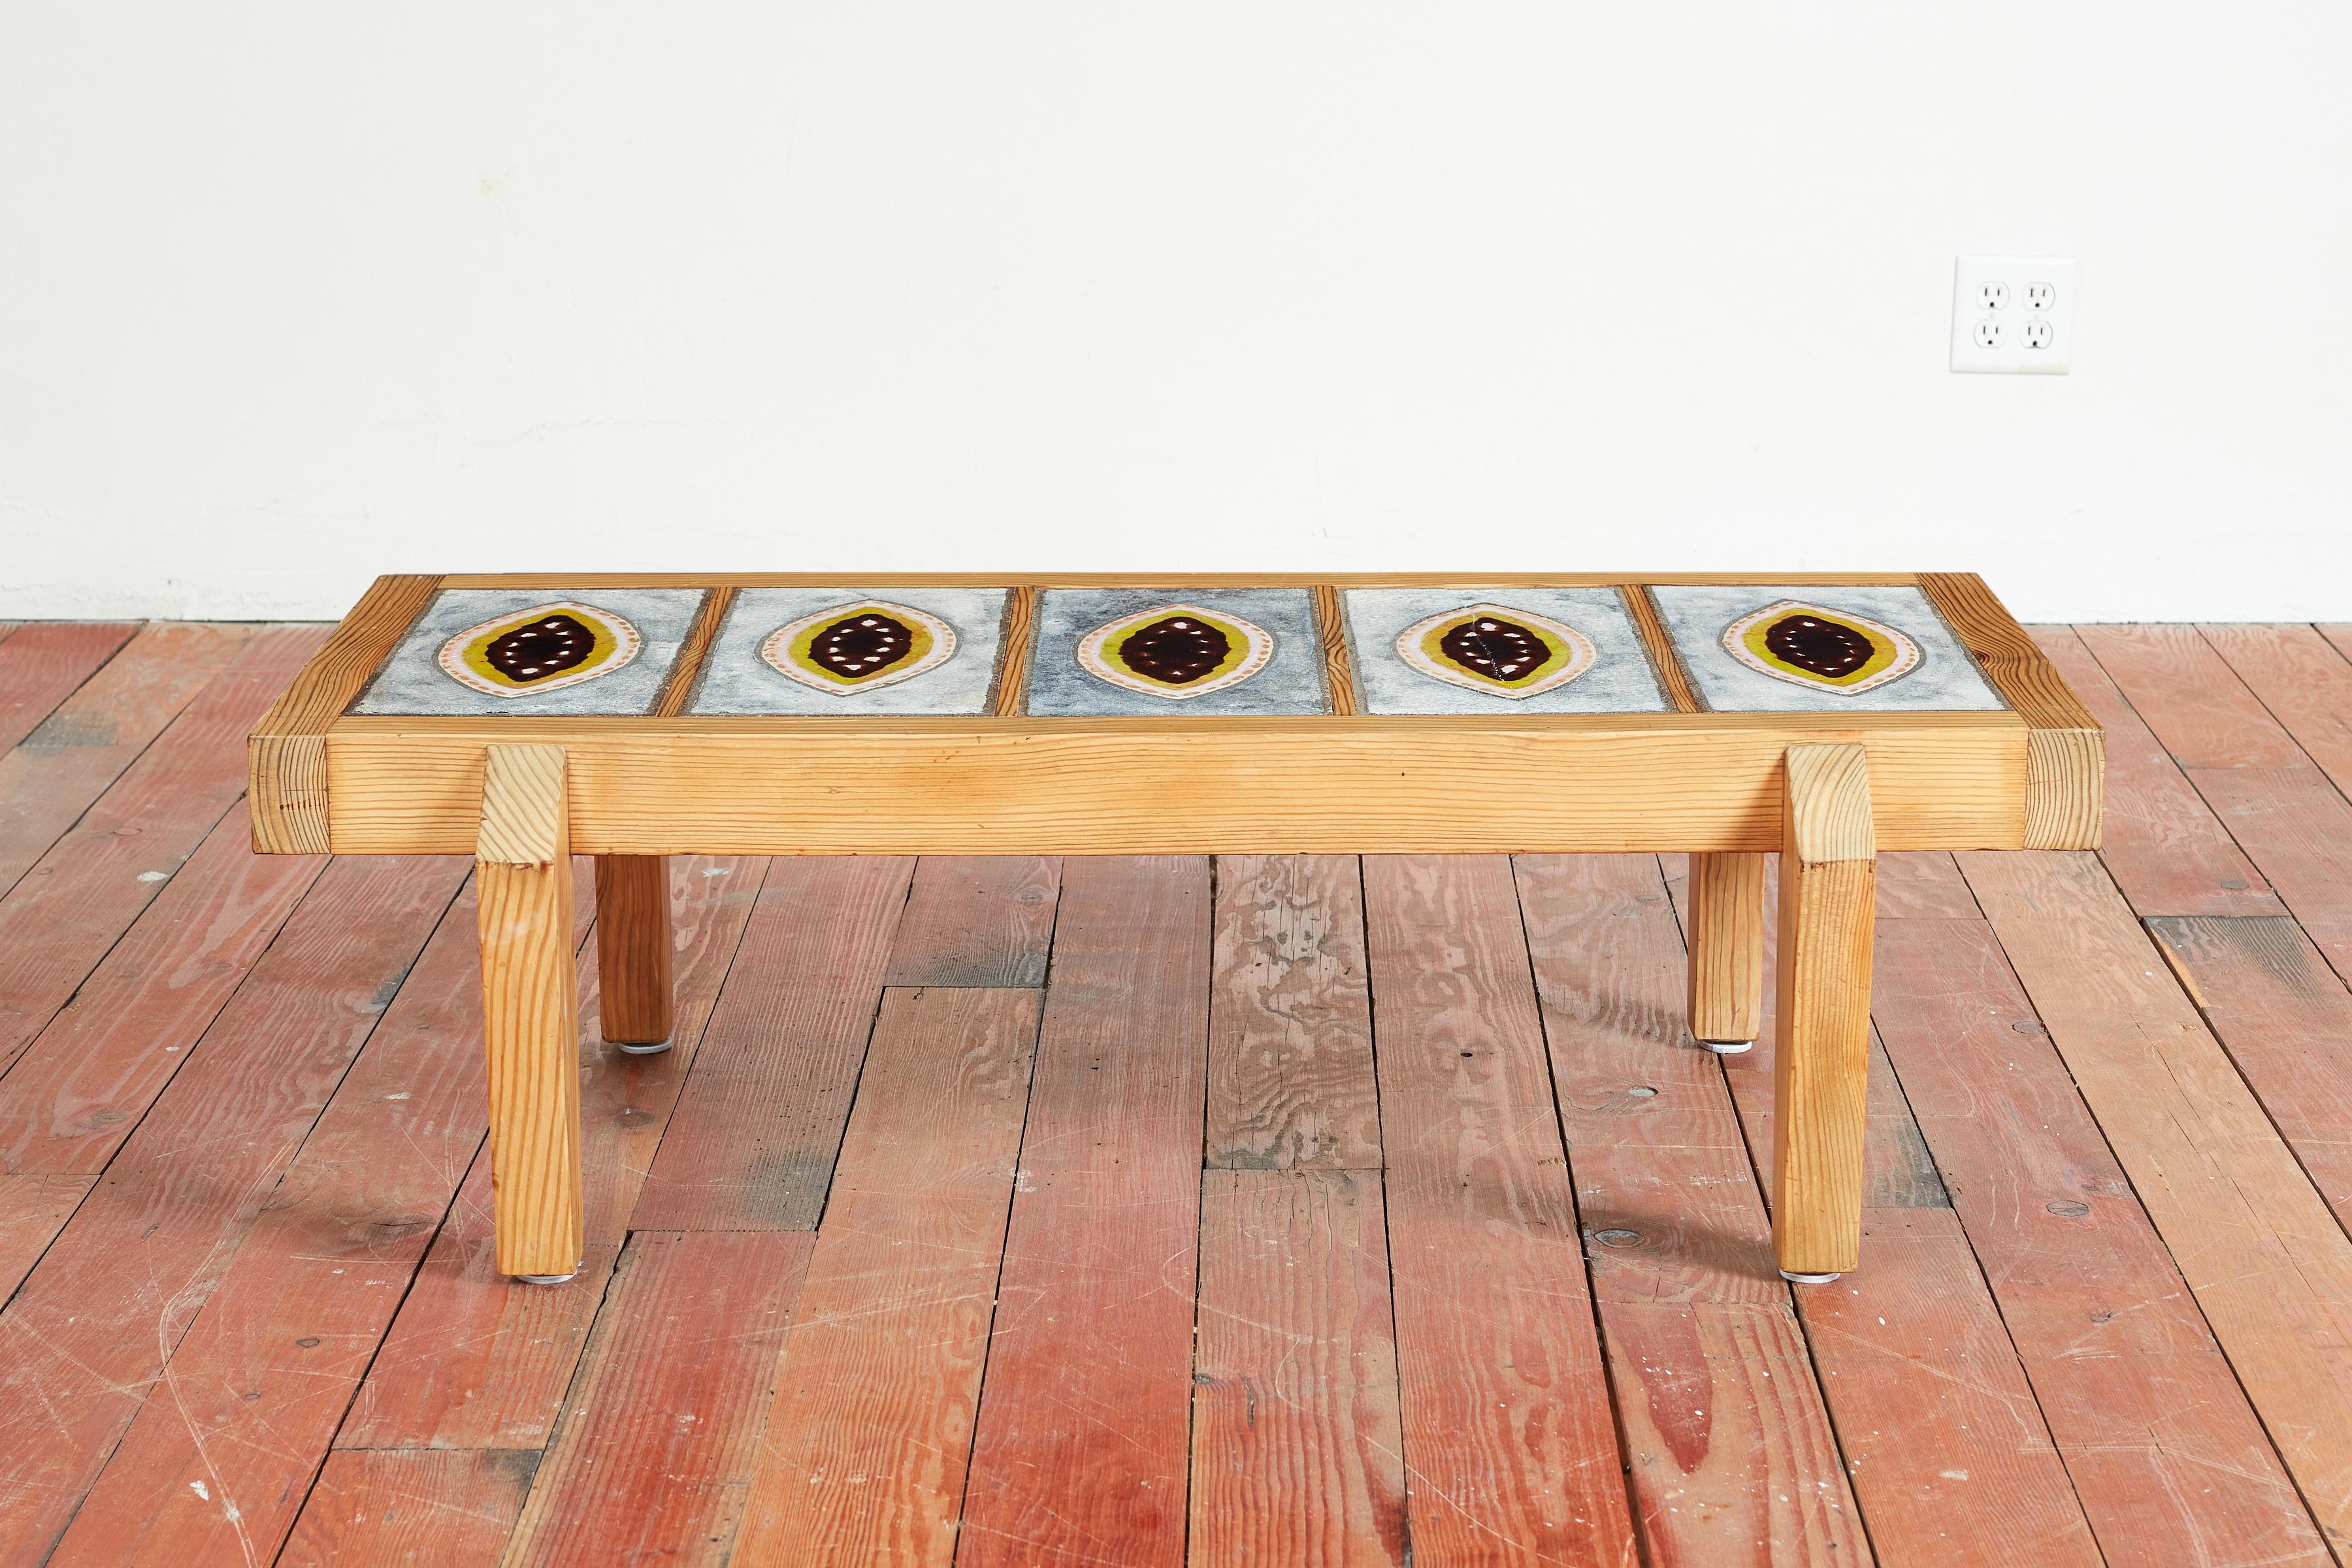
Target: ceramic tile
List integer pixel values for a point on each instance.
(1255, 651)
(1922, 669)
(738, 678)
(416, 680)
(1618, 678)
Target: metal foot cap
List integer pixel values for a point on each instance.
(1728, 1048)
(630, 1048)
(1807, 1278)
(547, 1278)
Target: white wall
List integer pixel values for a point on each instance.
(294, 294)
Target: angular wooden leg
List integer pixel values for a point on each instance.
(633, 951)
(531, 1011)
(1829, 870)
(1727, 950)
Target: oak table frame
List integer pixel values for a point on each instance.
(1827, 790)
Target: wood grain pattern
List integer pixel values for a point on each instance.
(81, 751)
(2066, 754)
(678, 690)
(1504, 1398)
(2268, 1264)
(1081, 1451)
(2302, 680)
(1665, 662)
(267, 1365)
(634, 947)
(530, 1010)
(2139, 1399)
(751, 1142)
(2290, 819)
(1950, 1455)
(80, 1087)
(109, 869)
(1724, 994)
(655, 1451)
(2286, 1023)
(85, 1339)
(472, 1361)
(1296, 1442)
(33, 1207)
(1167, 579)
(1730, 1446)
(42, 664)
(1290, 1025)
(2167, 851)
(1704, 782)
(288, 752)
(1821, 1044)
(977, 919)
(865, 1443)
(1339, 668)
(1016, 645)
(374, 1508)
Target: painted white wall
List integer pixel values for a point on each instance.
(294, 294)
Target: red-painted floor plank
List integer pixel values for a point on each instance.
(2165, 848)
(976, 919)
(48, 780)
(44, 664)
(1290, 1017)
(473, 1361)
(33, 1207)
(653, 1454)
(2286, 1020)
(87, 887)
(81, 1088)
(1297, 1447)
(411, 1508)
(1727, 1434)
(1510, 1449)
(750, 1145)
(862, 1455)
(2171, 1463)
(1082, 1446)
(86, 1337)
(268, 1366)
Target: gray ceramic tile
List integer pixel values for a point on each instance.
(1946, 677)
(1620, 682)
(736, 679)
(1291, 681)
(412, 681)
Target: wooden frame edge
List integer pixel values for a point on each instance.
(686, 670)
(1665, 662)
(1338, 665)
(2065, 747)
(286, 753)
(1175, 580)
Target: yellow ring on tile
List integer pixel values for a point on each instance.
(527, 652)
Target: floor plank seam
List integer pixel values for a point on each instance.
(2195, 1302)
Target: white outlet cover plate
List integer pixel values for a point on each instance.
(1992, 298)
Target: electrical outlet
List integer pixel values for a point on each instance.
(2013, 315)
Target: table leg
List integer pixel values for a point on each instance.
(531, 1012)
(1727, 950)
(1822, 1042)
(632, 952)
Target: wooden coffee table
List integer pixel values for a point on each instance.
(523, 719)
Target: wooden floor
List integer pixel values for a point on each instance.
(1280, 1212)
